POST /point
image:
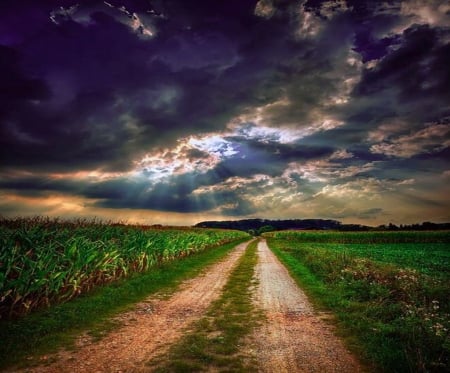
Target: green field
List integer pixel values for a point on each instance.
(389, 290)
(45, 261)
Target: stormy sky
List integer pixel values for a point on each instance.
(177, 111)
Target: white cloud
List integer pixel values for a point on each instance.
(235, 183)
(141, 28)
(432, 12)
(432, 138)
(198, 154)
(265, 9)
(141, 24)
(323, 170)
(257, 124)
(341, 154)
(213, 144)
(61, 14)
(282, 135)
(388, 129)
(407, 182)
(421, 12)
(366, 189)
(330, 9)
(311, 24)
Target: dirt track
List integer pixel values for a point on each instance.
(293, 338)
(148, 330)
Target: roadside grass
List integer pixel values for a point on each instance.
(396, 318)
(216, 341)
(24, 340)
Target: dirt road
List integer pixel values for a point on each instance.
(148, 330)
(293, 338)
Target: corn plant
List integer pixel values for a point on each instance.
(44, 261)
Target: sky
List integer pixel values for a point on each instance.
(178, 111)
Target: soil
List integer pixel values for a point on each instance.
(146, 331)
(293, 338)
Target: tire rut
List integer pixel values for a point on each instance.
(293, 338)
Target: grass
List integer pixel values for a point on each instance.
(396, 317)
(428, 258)
(217, 339)
(389, 237)
(23, 340)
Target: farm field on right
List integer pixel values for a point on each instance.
(388, 290)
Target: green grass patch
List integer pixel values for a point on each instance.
(46, 330)
(215, 343)
(364, 237)
(396, 317)
(428, 258)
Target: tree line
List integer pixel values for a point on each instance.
(259, 226)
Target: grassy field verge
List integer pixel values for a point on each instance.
(46, 330)
(397, 317)
(215, 343)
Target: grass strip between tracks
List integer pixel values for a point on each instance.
(24, 340)
(217, 339)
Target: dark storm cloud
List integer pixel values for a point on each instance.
(410, 80)
(199, 70)
(74, 89)
(38, 183)
(410, 83)
(409, 68)
(366, 214)
(175, 196)
(360, 89)
(104, 103)
(279, 154)
(16, 86)
(192, 77)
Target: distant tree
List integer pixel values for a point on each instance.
(392, 227)
(258, 226)
(264, 229)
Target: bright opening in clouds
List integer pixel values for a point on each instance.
(179, 111)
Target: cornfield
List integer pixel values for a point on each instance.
(44, 261)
